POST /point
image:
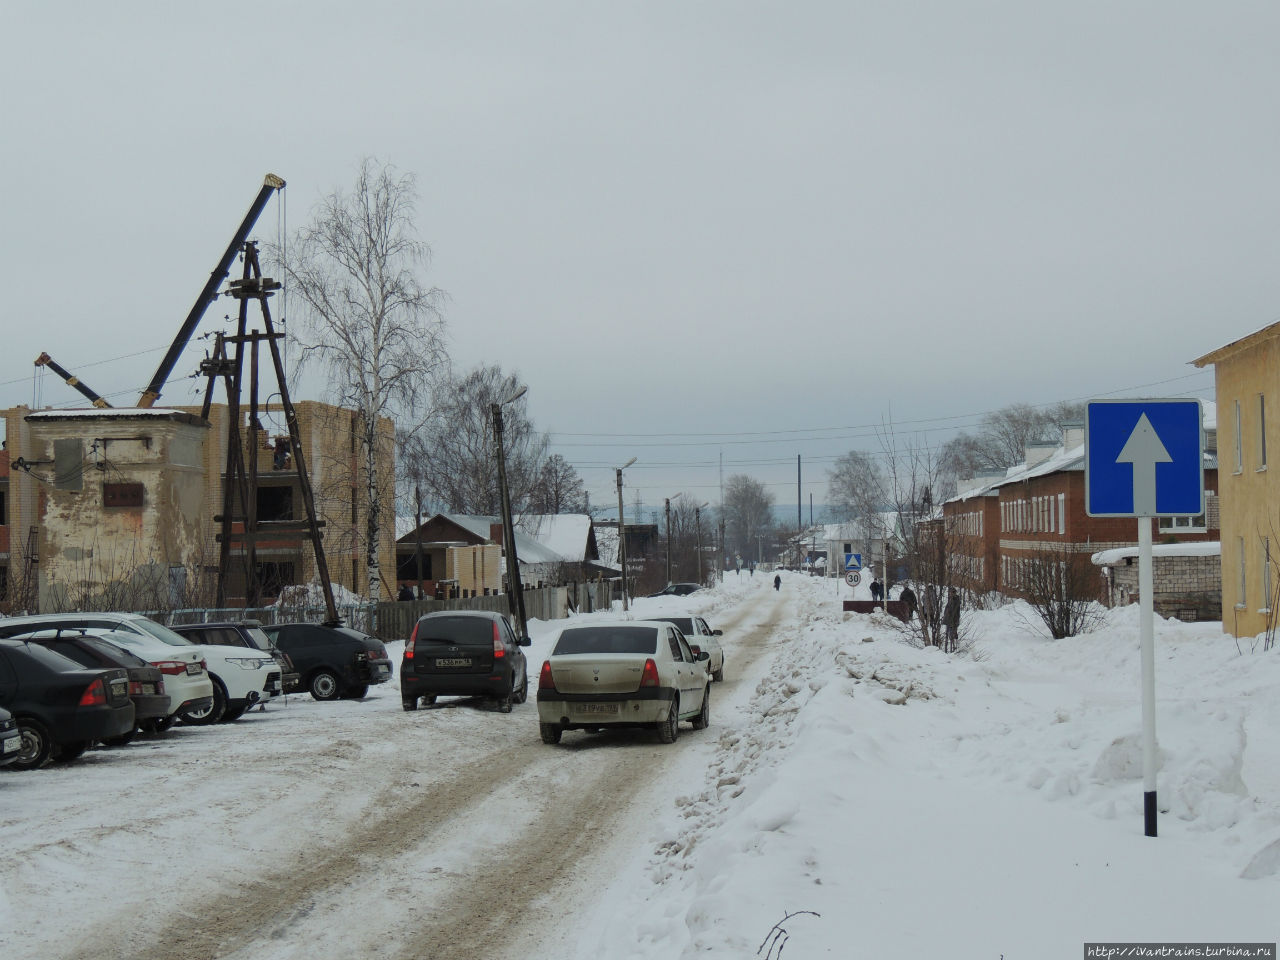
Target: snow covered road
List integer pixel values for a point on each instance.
(346, 829)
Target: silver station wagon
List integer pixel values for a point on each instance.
(626, 673)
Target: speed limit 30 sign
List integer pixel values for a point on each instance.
(853, 578)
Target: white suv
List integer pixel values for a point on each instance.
(240, 677)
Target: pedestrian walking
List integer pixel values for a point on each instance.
(777, 581)
(877, 590)
(951, 619)
(406, 593)
(908, 597)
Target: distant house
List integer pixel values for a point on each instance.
(873, 537)
(462, 555)
(572, 537)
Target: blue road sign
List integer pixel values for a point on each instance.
(853, 561)
(1143, 458)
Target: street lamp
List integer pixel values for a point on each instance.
(514, 587)
(622, 539)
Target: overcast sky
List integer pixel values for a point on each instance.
(695, 229)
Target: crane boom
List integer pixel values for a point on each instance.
(44, 360)
(149, 396)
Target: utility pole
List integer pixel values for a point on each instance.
(622, 536)
(724, 554)
(668, 541)
(515, 588)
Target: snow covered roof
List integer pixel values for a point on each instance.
(114, 413)
(564, 533)
(1204, 548)
(528, 549)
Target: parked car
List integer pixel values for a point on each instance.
(335, 662)
(240, 678)
(464, 653)
(60, 706)
(186, 679)
(627, 673)
(146, 683)
(677, 590)
(242, 633)
(702, 637)
(10, 738)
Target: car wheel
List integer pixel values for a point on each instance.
(122, 740)
(155, 724)
(523, 693)
(356, 693)
(70, 751)
(409, 703)
(210, 714)
(703, 719)
(324, 685)
(718, 675)
(429, 699)
(550, 732)
(231, 714)
(36, 747)
(669, 728)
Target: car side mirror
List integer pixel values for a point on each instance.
(525, 642)
(703, 656)
(717, 633)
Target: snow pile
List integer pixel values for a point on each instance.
(914, 804)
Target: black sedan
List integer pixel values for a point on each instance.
(60, 706)
(464, 653)
(677, 590)
(334, 662)
(146, 683)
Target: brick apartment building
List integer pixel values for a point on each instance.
(119, 502)
(1000, 527)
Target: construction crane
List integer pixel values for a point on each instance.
(151, 394)
(44, 360)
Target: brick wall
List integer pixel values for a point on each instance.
(1189, 588)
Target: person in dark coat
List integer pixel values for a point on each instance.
(877, 590)
(406, 593)
(777, 581)
(951, 618)
(908, 596)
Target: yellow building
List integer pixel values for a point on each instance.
(1247, 383)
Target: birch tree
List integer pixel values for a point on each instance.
(368, 317)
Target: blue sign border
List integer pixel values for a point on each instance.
(1108, 485)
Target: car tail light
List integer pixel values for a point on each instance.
(173, 668)
(408, 647)
(650, 676)
(545, 680)
(95, 695)
(498, 649)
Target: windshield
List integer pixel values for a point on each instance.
(607, 640)
(163, 634)
(258, 638)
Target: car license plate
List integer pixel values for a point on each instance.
(148, 688)
(12, 745)
(453, 661)
(121, 689)
(610, 709)
(383, 669)
(193, 669)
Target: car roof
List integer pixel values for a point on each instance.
(221, 624)
(477, 614)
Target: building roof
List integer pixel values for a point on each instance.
(118, 413)
(1269, 332)
(567, 534)
(528, 549)
(1201, 548)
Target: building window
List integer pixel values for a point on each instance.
(1266, 575)
(1241, 599)
(1239, 441)
(1062, 513)
(1262, 432)
(4, 507)
(1194, 524)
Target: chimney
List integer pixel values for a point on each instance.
(1072, 435)
(495, 532)
(1038, 452)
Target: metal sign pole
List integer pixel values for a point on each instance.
(1146, 605)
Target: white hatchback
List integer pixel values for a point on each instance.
(627, 673)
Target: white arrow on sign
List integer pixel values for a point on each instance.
(1144, 450)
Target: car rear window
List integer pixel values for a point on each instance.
(110, 652)
(607, 640)
(159, 631)
(460, 631)
(684, 623)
